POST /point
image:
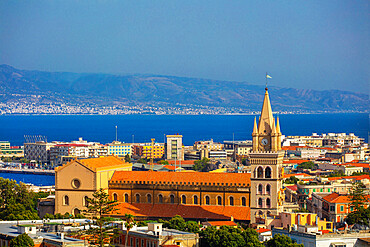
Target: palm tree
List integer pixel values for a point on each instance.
(129, 224)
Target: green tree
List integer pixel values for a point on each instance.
(192, 226)
(306, 165)
(251, 238)
(127, 158)
(203, 165)
(16, 202)
(357, 196)
(99, 206)
(163, 162)
(129, 224)
(177, 223)
(282, 241)
(361, 216)
(229, 236)
(291, 180)
(22, 240)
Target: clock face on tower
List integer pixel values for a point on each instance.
(264, 141)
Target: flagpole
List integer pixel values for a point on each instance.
(266, 80)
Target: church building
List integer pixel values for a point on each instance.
(247, 197)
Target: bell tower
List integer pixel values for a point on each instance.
(266, 161)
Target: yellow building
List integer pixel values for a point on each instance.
(289, 219)
(146, 150)
(79, 179)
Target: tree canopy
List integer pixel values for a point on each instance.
(291, 180)
(228, 236)
(306, 165)
(282, 241)
(22, 240)
(359, 198)
(16, 202)
(203, 165)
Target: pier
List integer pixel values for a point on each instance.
(28, 171)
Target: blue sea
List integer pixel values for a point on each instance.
(39, 180)
(141, 128)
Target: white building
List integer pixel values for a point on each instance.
(119, 149)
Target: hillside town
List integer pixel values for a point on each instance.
(303, 187)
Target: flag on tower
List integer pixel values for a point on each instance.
(269, 77)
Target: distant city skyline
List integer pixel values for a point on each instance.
(314, 45)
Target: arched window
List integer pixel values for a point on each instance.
(195, 199)
(126, 197)
(86, 203)
(260, 202)
(219, 200)
(76, 211)
(260, 189)
(137, 198)
(207, 200)
(268, 172)
(268, 189)
(244, 201)
(115, 197)
(160, 199)
(172, 199)
(183, 199)
(149, 198)
(260, 172)
(66, 200)
(268, 202)
(231, 200)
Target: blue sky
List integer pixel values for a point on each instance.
(302, 44)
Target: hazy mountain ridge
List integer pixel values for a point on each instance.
(105, 89)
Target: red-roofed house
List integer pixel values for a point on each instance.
(335, 207)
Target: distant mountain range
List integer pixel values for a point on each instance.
(161, 90)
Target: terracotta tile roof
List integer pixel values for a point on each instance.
(262, 230)
(222, 223)
(290, 148)
(360, 177)
(185, 211)
(183, 162)
(296, 175)
(336, 198)
(292, 187)
(294, 161)
(237, 179)
(103, 163)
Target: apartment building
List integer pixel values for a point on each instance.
(145, 150)
(39, 151)
(174, 149)
(120, 149)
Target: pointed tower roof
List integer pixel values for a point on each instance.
(266, 118)
(255, 131)
(278, 126)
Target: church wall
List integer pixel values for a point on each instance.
(188, 191)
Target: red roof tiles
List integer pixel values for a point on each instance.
(236, 179)
(185, 211)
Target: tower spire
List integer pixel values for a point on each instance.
(255, 131)
(266, 118)
(278, 126)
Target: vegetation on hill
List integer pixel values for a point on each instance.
(167, 90)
